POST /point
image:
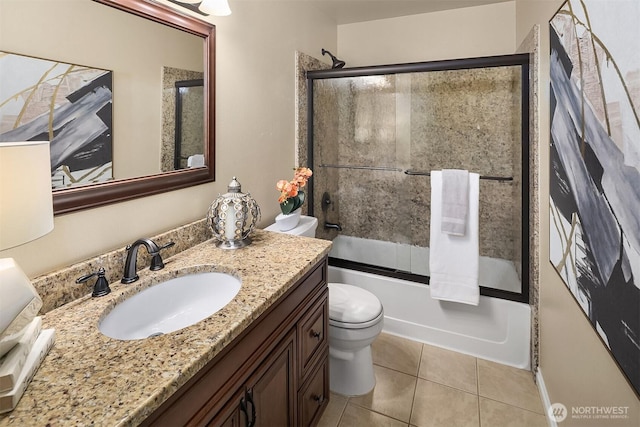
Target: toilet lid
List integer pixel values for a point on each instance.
(351, 304)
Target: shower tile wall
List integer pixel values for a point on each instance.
(304, 63)
(467, 119)
(531, 44)
(328, 182)
(371, 202)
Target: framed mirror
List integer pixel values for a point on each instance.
(124, 187)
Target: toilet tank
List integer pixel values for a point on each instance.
(306, 227)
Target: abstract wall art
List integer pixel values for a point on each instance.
(595, 168)
(67, 104)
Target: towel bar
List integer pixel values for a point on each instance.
(409, 171)
(490, 178)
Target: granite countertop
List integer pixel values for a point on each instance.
(90, 379)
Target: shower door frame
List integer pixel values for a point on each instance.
(521, 60)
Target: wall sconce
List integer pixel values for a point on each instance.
(206, 7)
(26, 213)
(232, 217)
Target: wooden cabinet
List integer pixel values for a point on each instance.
(314, 395)
(313, 344)
(231, 417)
(276, 373)
(272, 391)
(312, 334)
(265, 399)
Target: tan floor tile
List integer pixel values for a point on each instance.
(333, 411)
(392, 395)
(397, 353)
(355, 416)
(449, 368)
(449, 392)
(494, 413)
(508, 385)
(436, 405)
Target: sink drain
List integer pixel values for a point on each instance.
(156, 334)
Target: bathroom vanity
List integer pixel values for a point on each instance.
(274, 374)
(262, 359)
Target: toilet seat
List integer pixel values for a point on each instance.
(362, 325)
(351, 307)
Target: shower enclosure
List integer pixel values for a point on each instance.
(375, 133)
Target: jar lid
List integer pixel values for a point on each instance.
(234, 186)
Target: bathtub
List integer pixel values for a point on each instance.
(493, 272)
(496, 329)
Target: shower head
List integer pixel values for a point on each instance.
(337, 63)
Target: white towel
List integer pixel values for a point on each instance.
(455, 201)
(453, 260)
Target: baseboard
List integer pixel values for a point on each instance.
(546, 402)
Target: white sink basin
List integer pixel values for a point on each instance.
(169, 306)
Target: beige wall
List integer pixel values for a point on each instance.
(576, 366)
(256, 48)
(459, 33)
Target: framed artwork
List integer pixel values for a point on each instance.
(595, 168)
(69, 105)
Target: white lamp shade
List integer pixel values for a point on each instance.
(215, 7)
(26, 202)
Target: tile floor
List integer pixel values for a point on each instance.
(425, 386)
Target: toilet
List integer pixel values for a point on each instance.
(356, 318)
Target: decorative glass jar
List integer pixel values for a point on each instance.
(232, 217)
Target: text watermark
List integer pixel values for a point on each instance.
(560, 412)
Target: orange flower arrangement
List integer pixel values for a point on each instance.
(291, 195)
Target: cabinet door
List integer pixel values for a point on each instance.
(272, 388)
(312, 334)
(314, 395)
(268, 397)
(233, 414)
(232, 421)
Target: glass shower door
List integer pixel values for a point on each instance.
(377, 137)
(358, 167)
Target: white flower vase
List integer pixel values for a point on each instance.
(290, 221)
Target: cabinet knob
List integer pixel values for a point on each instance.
(315, 334)
(318, 398)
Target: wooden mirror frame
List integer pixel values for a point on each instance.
(94, 195)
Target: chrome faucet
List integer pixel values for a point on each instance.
(153, 249)
(332, 225)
